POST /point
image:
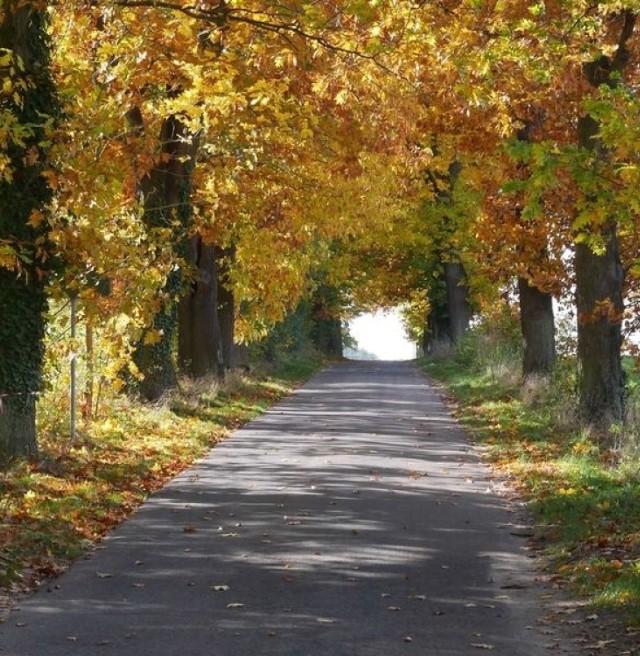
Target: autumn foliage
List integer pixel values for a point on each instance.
(398, 152)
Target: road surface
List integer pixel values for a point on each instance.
(353, 519)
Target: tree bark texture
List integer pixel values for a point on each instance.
(199, 336)
(457, 300)
(538, 329)
(22, 297)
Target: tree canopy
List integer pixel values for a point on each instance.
(393, 150)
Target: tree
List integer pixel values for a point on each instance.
(455, 276)
(326, 324)
(599, 272)
(518, 244)
(166, 193)
(28, 104)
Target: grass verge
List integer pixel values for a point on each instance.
(56, 507)
(585, 501)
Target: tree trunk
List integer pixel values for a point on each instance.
(166, 191)
(538, 329)
(599, 281)
(457, 300)
(199, 335)
(22, 297)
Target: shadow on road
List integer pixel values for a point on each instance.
(353, 519)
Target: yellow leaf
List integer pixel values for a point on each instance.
(36, 219)
(341, 97)
(152, 337)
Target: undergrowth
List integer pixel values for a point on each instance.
(52, 509)
(584, 498)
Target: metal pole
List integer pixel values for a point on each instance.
(73, 369)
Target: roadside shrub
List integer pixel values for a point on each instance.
(494, 346)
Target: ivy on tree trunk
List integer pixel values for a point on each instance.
(23, 192)
(167, 203)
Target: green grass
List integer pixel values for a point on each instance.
(585, 501)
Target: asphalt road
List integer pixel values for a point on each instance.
(353, 519)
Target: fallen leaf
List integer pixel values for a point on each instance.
(407, 639)
(220, 588)
(601, 644)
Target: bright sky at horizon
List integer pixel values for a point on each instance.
(382, 335)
